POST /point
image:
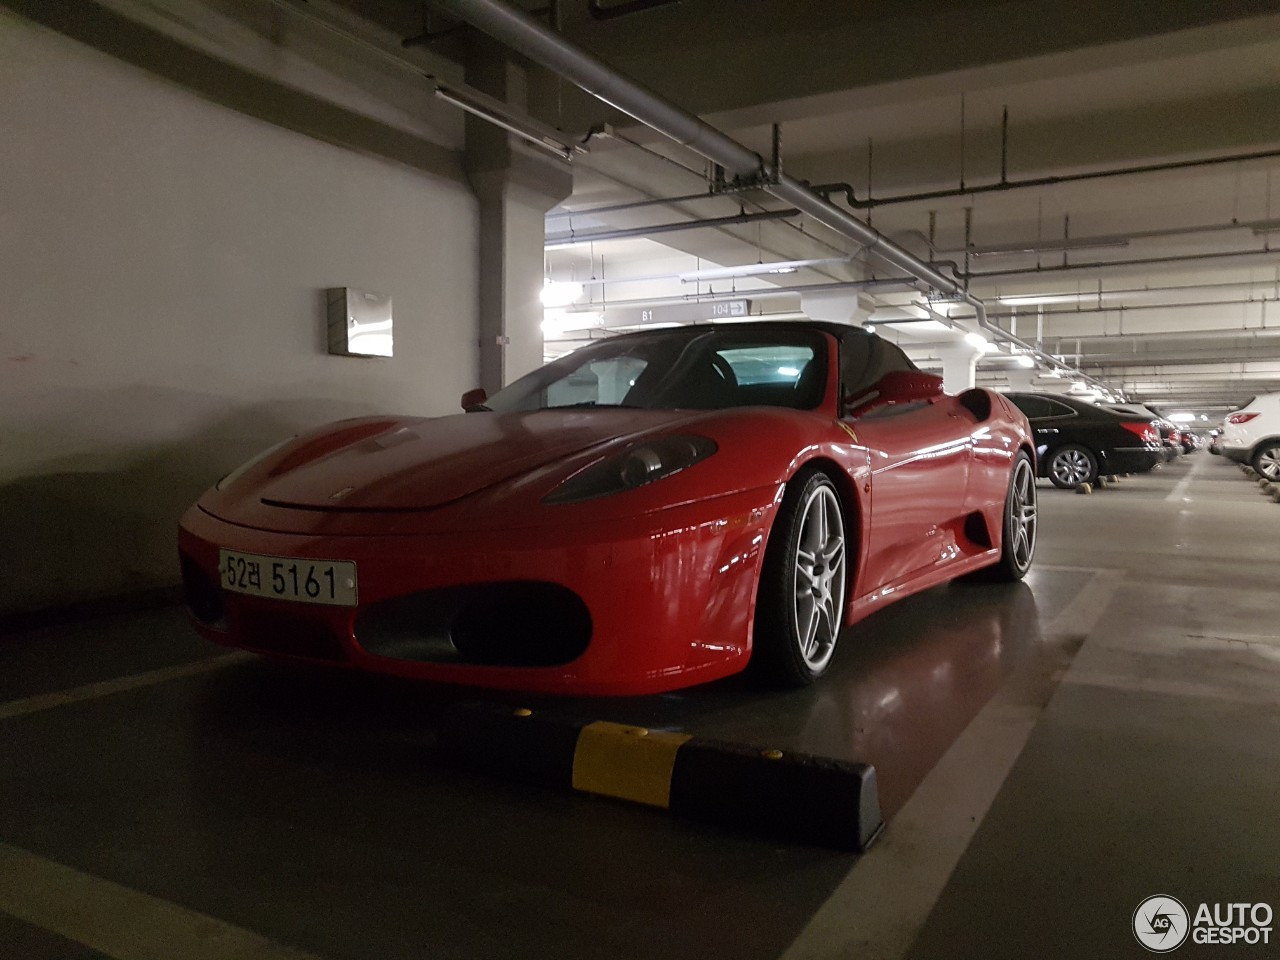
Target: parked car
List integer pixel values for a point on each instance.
(648, 512)
(1215, 441)
(1077, 441)
(1170, 435)
(1252, 435)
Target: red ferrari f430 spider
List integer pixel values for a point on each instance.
(651, 511)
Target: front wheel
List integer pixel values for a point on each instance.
(1020, 523)
(1071, 466)
(800, 601)
(1267, 461)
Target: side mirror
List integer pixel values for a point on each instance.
(897, 387)
(474, 398)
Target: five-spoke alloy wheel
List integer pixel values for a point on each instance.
(1020, 522)
(800, 604)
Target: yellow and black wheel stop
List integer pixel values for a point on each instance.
(733, 785)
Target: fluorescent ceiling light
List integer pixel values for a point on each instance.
(977, 340)
(922, 328)
(1032, 300)
(1181, 417)
(755, 269)
(559, 293)
(1025, 360)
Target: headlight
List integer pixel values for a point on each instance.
(633, 467)
(240, 471)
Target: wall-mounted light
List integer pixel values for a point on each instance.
(559, 293)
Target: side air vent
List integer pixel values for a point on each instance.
(977, 402)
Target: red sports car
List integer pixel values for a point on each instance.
(648, 512)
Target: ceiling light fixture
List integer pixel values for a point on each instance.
(559, 293)
(756, 269)
(480, 104)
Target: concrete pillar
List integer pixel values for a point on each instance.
(835, 306)
(516, 184)
(1022, 379)
(959, 367)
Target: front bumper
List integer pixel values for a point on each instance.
(670, 594)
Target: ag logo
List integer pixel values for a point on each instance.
(1161, 923)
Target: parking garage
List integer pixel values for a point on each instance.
(231, 224)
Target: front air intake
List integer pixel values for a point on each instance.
(511, 624)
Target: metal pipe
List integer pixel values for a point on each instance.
(533, 40)
(1259, 227)
(767, 293)
(1104, 264)
(554, 243)
(1001, 186)
(1127, 308)
(520, 32)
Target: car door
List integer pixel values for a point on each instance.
(1051, 424)
(920, 457)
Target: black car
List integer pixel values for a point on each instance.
(1076, 440)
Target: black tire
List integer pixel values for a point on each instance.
(796, 630)
(1021, 523)
(1072, 465)
(1266, 460)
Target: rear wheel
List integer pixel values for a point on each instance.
(800, 602)
(1073, 465)
(1020, 523)
(1267, 460)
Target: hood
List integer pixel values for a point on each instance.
(417, 464)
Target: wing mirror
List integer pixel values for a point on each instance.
(894, 388)
(474, 399)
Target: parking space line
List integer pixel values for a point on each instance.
(884, 902)
(105, 688)
(1180, 488)
(1082, 614)
(122, 923)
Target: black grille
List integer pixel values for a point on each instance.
(515, 624)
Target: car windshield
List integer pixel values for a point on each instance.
(678, 369)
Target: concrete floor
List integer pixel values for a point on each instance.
(1049, 755)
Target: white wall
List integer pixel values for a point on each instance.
(163, 262)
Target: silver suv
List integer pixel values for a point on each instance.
(1252, 435)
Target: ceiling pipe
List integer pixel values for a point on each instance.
(544, 46)
(570, 239)
(1030, 247)
(869, 203)
(1133, 307)
(765, 293)
(1104, 264)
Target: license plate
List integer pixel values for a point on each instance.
(331, 582)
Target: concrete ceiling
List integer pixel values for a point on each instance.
(1167, 289)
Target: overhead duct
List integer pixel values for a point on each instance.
(544, 46)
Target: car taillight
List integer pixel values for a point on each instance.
(1241, 417)
(1147, 432)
